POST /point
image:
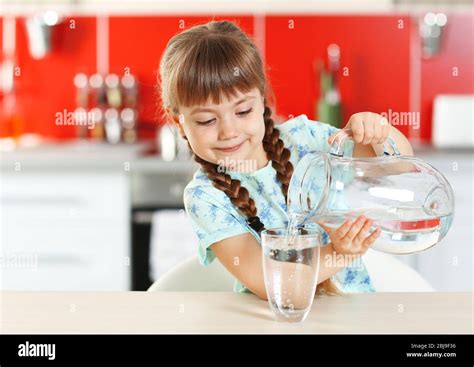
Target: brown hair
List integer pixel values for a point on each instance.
(211, 61)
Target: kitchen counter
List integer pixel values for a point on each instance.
(428, 151)
(222, 312)
(85, 155)
(93, 155)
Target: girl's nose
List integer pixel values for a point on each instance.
(227, 129)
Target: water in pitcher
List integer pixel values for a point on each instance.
(403, 230)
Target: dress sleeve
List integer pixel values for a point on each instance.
(212, 219)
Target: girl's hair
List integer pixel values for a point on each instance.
(211, 61)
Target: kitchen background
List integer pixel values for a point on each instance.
(101, 208)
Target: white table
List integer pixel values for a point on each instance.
(220, 312)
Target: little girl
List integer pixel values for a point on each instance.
(213, 87)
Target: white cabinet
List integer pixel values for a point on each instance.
(65, 230)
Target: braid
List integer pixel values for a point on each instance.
(238, 195)
(276, 152)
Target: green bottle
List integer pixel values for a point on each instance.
(328, 107)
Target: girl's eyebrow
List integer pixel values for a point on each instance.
(200, 109)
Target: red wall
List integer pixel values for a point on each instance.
(45, 86)
(374, 49)
(378, 75)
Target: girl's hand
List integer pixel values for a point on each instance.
(367, 128)
(352, 237)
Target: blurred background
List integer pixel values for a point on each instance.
(92, 181)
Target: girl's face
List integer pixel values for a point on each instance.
(228, 134)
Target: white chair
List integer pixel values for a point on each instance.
(388, 274)
(191, 276)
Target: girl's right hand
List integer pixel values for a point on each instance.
(352, 238)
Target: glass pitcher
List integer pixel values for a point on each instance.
(410, 200)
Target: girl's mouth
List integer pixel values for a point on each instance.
(231, 149)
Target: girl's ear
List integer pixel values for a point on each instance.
(263, 104)
(181, 131)
(177, 120)
(171, 116)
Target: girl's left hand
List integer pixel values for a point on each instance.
(367, 128)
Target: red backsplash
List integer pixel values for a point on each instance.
(373, 48)
(377, 77)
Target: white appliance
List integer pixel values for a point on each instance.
(453, 121)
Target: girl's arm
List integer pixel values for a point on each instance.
(242, 256)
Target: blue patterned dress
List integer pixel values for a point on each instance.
(215, 218)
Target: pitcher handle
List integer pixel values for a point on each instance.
(337, 145)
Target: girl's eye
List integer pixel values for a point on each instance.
(243, 113)
(205, 122)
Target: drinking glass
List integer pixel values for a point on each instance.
(290, 267)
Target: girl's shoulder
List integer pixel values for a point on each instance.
(302, 136)
(293, 120)
(303, 127)
(201, 188)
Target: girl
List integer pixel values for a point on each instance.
(213, 87)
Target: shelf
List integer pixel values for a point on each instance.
(242, 7)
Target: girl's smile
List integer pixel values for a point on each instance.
(231, 148)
